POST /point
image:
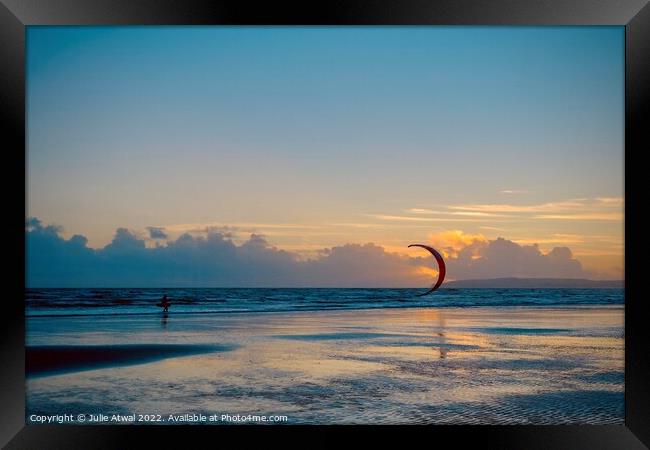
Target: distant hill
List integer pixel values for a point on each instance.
(503, 283)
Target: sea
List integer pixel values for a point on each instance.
(138, 301)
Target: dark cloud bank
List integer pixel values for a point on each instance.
(214, 260)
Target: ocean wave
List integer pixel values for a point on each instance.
(79, 302)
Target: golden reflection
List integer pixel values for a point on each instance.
(441, 327)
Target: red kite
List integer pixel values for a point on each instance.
(441, 267)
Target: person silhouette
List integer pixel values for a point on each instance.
(164, 303)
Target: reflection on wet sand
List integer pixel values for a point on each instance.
(441, 325)
(489, 365)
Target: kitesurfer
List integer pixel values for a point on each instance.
(164, 303)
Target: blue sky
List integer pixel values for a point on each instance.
(317, 129)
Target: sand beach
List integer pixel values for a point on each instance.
(503, 365)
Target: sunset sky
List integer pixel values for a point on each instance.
(313, 138)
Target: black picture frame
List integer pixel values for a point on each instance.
(15, 15)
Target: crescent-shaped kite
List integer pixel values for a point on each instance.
(441, 267)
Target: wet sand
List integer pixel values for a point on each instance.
(56, 359)
(417, 365)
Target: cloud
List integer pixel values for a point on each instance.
(51, 259)
(575, 209)
(201, 227)
(394, 218)
(556, 238)
(513, 191)
(213, 259)
(565, 205)
(615, 216)
(600, 208)
(611, 201)
(504, 258)
(453, 213)
(157, 233)
(475, 256)
(363, 265)
(124, 241)
(451, 242)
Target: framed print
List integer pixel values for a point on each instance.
(405, 218)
